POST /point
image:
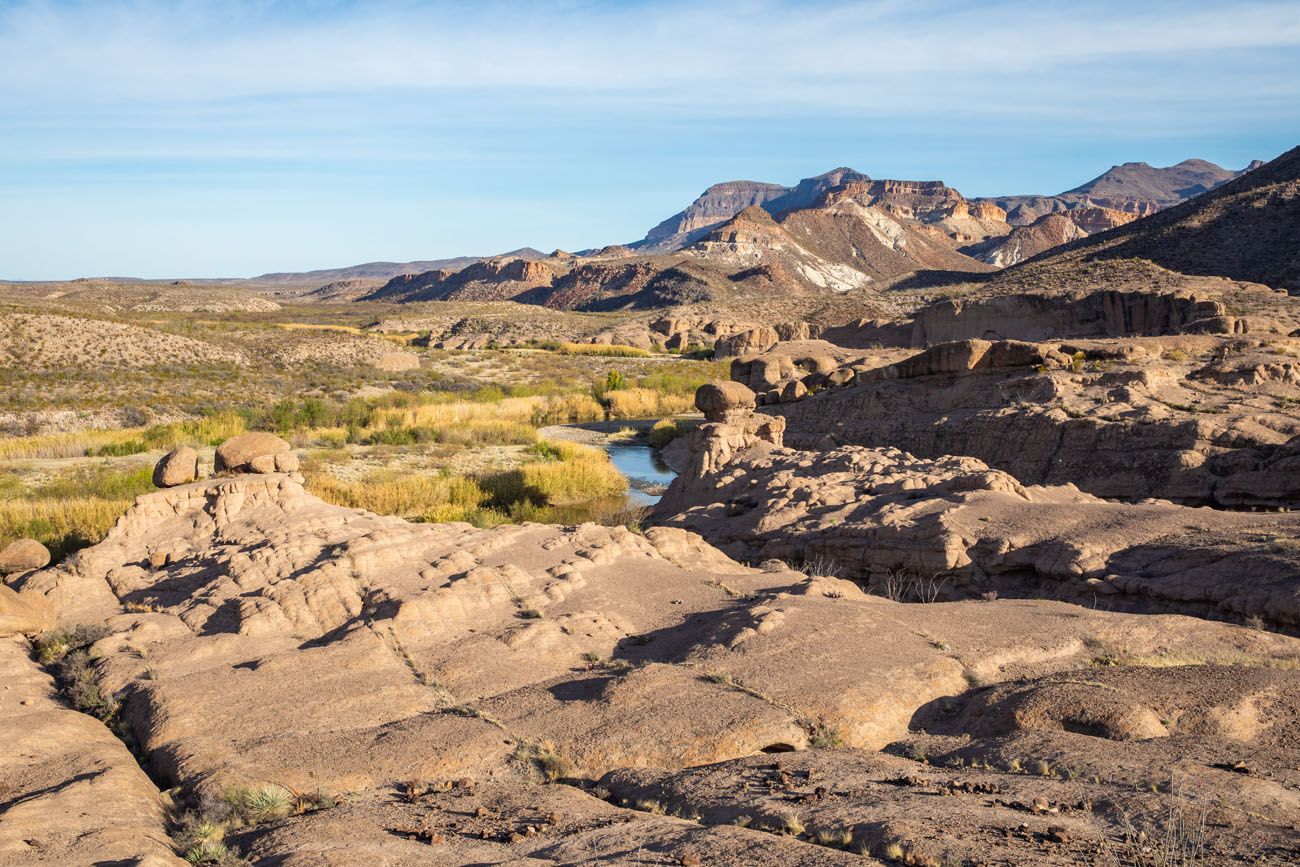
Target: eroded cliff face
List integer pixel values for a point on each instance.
(881, 513)
(1197, 420)
(1044, 317)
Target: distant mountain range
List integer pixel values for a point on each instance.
(383, 270)
(838, 234)
(1247, 228)
(1133, 188)
(835, 233)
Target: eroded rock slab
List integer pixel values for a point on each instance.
(70, 792)
(431, 678)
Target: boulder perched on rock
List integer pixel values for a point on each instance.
(763, 372)
(180, 466)
(724, 401)
(750, 342)
(24, 555)
(255, 453)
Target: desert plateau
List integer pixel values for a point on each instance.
(862, 519)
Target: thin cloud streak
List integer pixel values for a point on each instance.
(690, 54)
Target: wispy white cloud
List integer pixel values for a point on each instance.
(758, 53)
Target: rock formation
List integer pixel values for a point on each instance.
(952, 523)
(255, 453)
(1200, 421)
(23, 555)
(395, 692)
(180, 466)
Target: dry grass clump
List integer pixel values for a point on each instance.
(567, 408)
(201, 834)
(543, 758)
(563, 474)
(570, 473)
(430, 498)
(611, 350)
(62, 525)
(646, 402)
(209, 430)
(666, 430)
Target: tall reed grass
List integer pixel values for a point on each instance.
(646, 402)
(611, 350)
(62, 525)
(209, 430)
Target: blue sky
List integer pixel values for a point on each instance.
(234, 138)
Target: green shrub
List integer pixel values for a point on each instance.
(117, 450)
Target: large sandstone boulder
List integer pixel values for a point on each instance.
(255, 453)
(764, 372)
(724, 402)
(750, 342)
(180, 466)
(24, 613)
(23, 555)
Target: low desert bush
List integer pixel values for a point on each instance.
(543, 758)
(668, 429)
(67, 654)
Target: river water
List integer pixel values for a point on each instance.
(647, 475)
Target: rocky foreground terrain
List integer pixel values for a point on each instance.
(291, 682)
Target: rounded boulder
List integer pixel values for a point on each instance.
(23, 555)
(180, 466)
(255, 453)
(724, 401)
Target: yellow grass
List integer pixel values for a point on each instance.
(205, 431)
(581, 473)
(525, 410)
(646, 402)
(437, 498)
(63, 445)
(308, 326)
(668, 429)
(613, 350)
(567, 408)
(61, 525)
